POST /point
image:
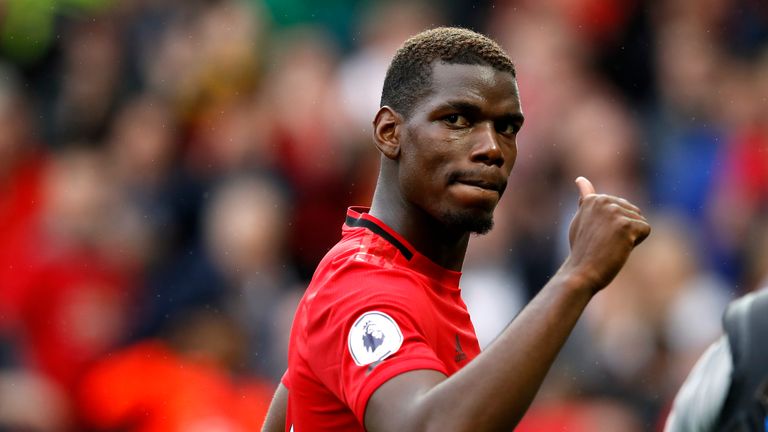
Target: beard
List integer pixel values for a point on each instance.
(467, 221)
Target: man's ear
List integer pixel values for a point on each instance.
(386, 132)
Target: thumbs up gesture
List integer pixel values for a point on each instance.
(602, 234)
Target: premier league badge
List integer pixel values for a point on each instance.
(373, 337)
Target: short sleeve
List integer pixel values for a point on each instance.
(378, 324)
(285, 380)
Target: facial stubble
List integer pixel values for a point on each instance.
(468, 221)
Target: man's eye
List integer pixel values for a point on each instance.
(507, 128)
(456, 120)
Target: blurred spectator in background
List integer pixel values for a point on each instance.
(79, 273)
(22, 168)
(602, 139)
(185, 382)
(22, 164)
(245, 233)
(182, 164)
(237, 271)
(142, 148)
(22, 394)
(90, 81)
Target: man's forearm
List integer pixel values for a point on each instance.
(494, 390)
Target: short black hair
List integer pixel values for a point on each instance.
(409, 76)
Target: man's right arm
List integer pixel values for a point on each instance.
(495, 389)
(275, 420)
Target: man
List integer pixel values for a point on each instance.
(381, 340)
(727, 389)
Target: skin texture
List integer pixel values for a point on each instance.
(444, 168)
(460, 136)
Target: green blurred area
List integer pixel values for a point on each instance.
(27, 26)
(338, 17)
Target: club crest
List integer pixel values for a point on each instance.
(373, 337)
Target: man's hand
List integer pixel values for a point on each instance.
(603, 232)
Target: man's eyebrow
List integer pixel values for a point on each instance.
(463, 106)
(517, 118)
(470, 108)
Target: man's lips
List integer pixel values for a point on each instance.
(488, 180)
(495, 186)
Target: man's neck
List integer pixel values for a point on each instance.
(430, 237)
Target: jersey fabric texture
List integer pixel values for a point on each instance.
(375, 308)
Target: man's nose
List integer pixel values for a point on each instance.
(486, 145)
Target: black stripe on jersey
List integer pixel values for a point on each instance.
(365, 223)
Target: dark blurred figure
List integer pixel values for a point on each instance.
(143, 149)
(90, 80)
(238, 270)
(727, 390)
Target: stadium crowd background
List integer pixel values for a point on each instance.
(172, 170)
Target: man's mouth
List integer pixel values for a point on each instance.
(482, 184)
(486, 182)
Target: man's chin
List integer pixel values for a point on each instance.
(473, 222)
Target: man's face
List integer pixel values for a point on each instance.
(459, 145)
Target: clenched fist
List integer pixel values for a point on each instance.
(603, 232)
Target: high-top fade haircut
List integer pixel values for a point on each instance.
(409, 77)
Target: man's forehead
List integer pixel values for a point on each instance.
(468, 83)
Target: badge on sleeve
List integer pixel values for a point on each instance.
(373, 337)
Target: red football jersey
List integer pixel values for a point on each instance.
(375, 308)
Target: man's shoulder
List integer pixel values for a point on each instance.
(350, 277)
(361, 274)
(347, 292)
(363, 256)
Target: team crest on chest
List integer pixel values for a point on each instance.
(373, 337)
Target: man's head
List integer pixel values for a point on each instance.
(409, 76)
(447, 129)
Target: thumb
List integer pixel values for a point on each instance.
(585, 187)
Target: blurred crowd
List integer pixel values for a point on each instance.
(171, 171)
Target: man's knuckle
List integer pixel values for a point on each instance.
(625, 224)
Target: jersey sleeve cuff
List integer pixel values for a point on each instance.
(285, 380)
(388, 370)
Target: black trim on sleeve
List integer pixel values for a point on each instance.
(365, 223)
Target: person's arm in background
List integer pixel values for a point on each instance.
(495, 389)
(275, 420)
